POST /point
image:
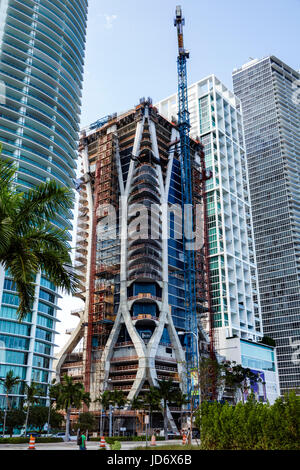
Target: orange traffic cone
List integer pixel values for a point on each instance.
(183, 439)
(31, 443)
(153, 440)
(102, 443)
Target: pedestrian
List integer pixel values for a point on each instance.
(81, 441)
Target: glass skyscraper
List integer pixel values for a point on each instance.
(42, 46)
(267, 90)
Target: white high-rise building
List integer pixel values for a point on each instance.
(215, 118)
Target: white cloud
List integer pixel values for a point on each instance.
(109, 20)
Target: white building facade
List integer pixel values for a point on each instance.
(216, 120)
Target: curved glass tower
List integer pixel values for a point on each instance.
(42, 46)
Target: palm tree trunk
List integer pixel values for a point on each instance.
(165, 420)
(67, 434)
(5, 413)
(27, 416)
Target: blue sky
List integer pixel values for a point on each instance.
(131, 45)
(132, 49)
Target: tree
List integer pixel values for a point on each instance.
(15, 420)
(9, 383)
(211, 377)
(167, 392)
(152, 400)
(137, 403)
(29, 241)
(251, 426)
(180, 400)
(104, 399)
(38, 417)
(268, 341)
(56, 419)
(32, 394)
(118, 400)
(238, 378)
(69, 394)
(86, 422)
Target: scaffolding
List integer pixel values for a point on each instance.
(104, 259)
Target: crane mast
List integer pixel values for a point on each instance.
(187, 200)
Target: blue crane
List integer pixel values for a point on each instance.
(187, 201)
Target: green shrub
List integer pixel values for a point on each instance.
(251, 425)
(171, 447)
(25, 440)
(116, 445)
(111, 440)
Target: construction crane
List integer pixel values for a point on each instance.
(187, 202)
(191, 325)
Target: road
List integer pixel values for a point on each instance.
(91, 445)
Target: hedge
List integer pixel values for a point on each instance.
(170, 447)
(111, 440)
(251, 425)
(25, 440)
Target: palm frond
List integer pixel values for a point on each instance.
(45, 236)
(58, 271)
(29, 242)
(7, 173)
(46, 201)
(23, 266)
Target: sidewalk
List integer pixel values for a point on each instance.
(91, 445)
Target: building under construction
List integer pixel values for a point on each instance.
(131, 258)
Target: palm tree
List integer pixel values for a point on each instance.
(167, 392)
(181, 399)
(32, 394)
(118, 399)
(152, 399)
(104, 399)
(69, 394)
(9, 382)
(137, 403)
(29, 241)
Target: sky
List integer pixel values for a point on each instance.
(131, 52)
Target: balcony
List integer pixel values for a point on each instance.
(143, 275)
(124, 359)
(124, 344)
(166, 359)
(167, 377)
(145, 319)
(124, 368)
(144, 296)
(123, 378)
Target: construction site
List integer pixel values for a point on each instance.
(133, 282)
(147, 314)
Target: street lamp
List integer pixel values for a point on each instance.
(182, 333)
